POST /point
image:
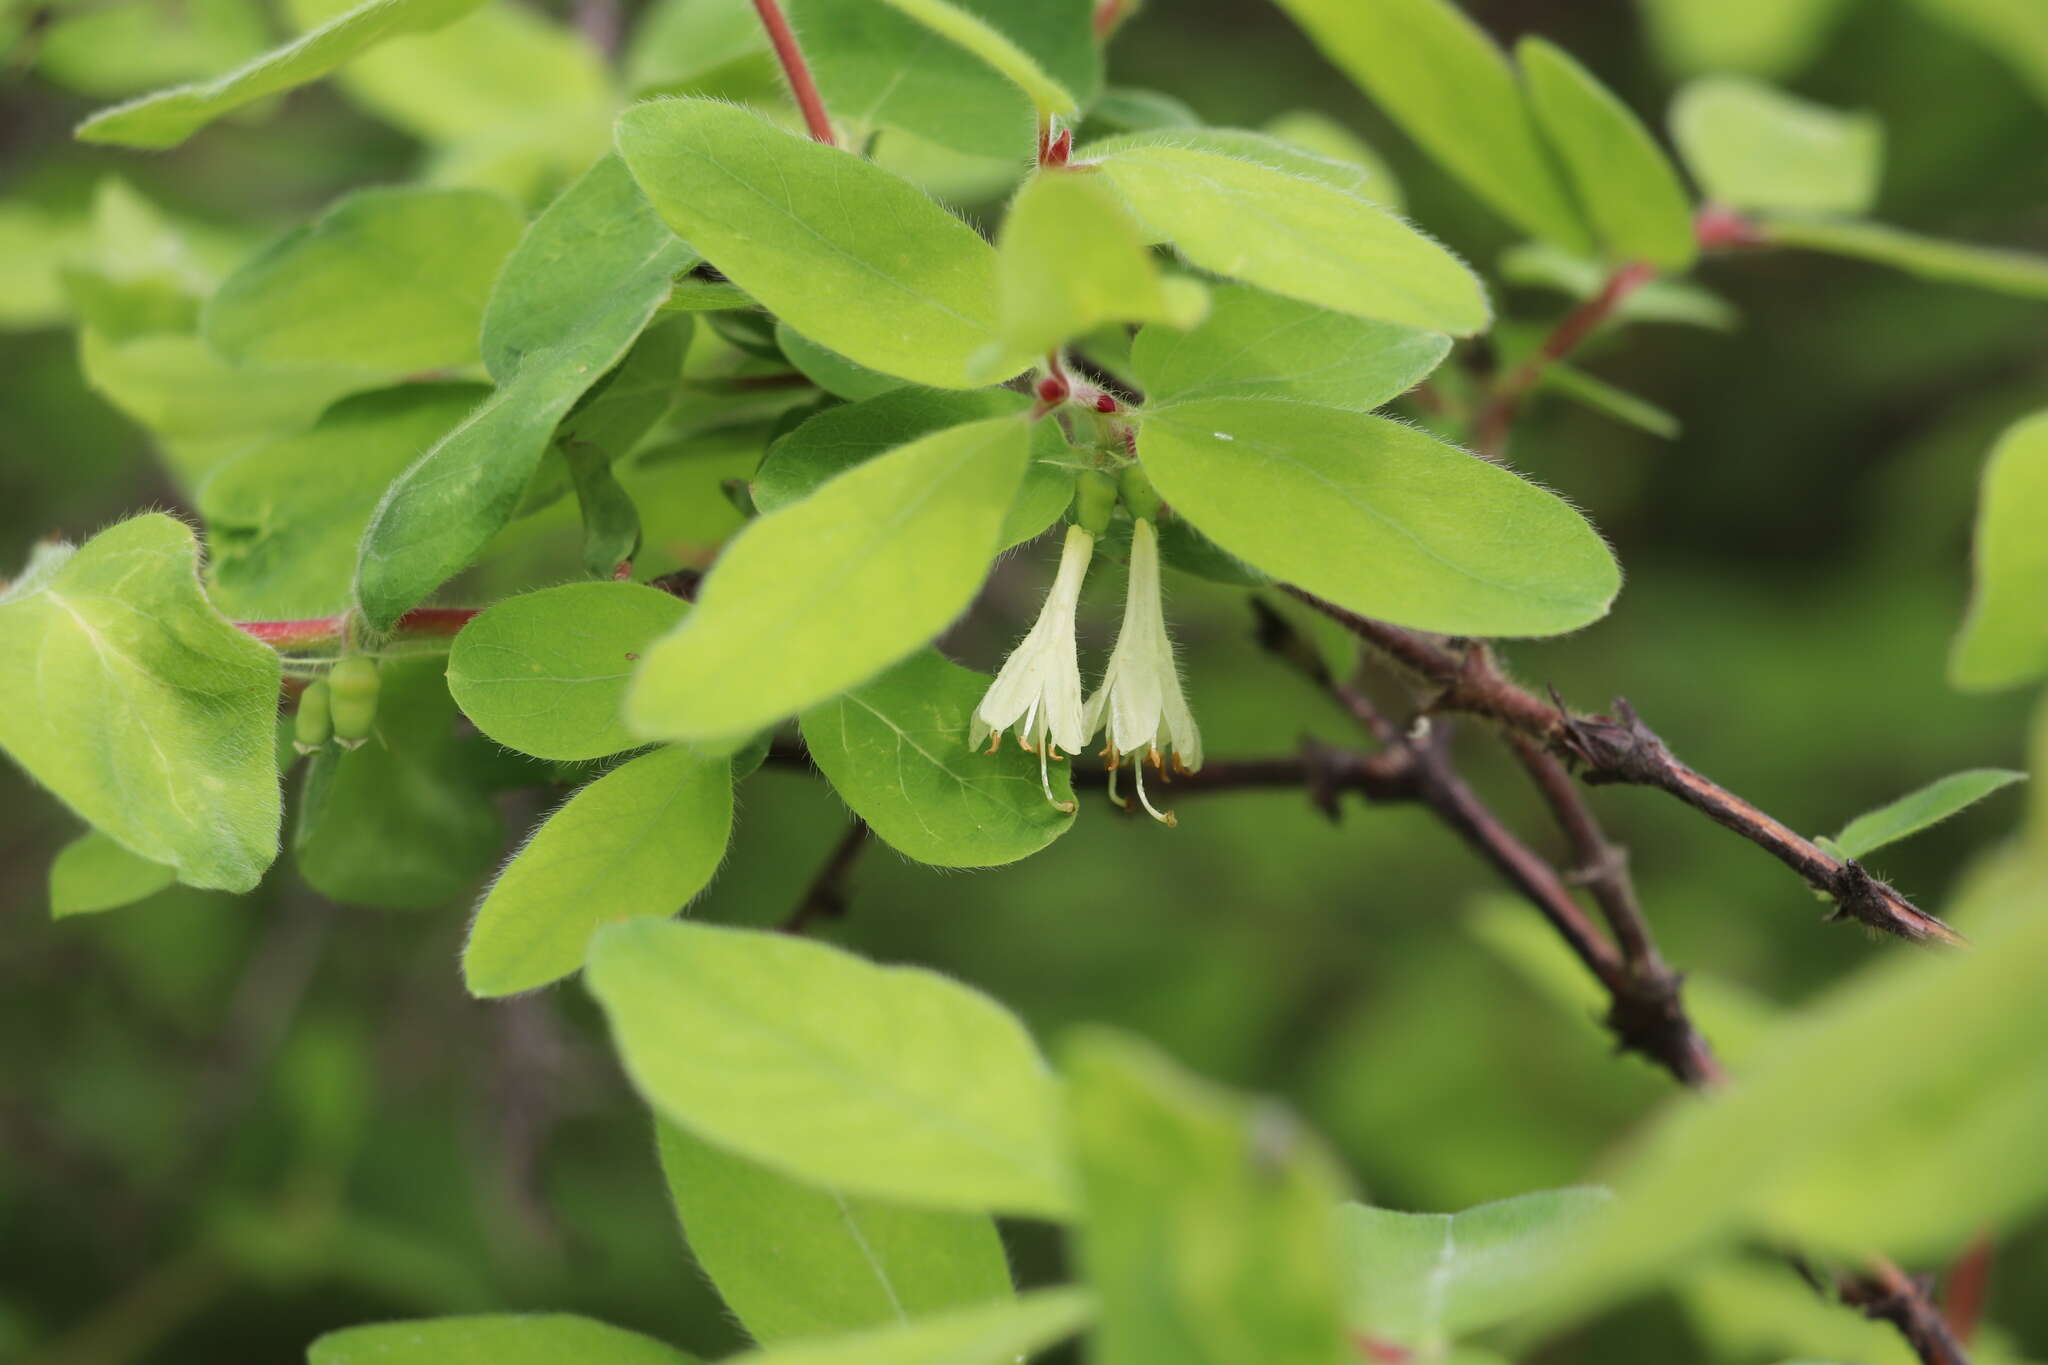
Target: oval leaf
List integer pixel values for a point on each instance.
(128, 695)
(2004, 641)
(94, 873)
(853, 257)
(1631, 192)
(1753, 147)
(797, 1260)
(1380, 517)
(641, 840)
(493, 1339)
(1297, 237)
(1915, 811)
(1005, 1333)
(545, 672)
(896, 751)
(822, 595)
(889, 1081)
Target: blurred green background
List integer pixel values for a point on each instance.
(228, 1125)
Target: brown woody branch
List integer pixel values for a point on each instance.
(1622, 749)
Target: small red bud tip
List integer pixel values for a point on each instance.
(1062, 147)
(1104, 403)
(1052, 389)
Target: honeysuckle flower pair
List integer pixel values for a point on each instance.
(1139, 706)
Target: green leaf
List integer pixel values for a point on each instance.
(679, 45)
(1603, 397)
(829, 370)
(892, 1082)
(822, 595)
(285, 518)
(1752, 147)
(1325, 137)
(507, 98)
(793, 1260)
(545, 672)
(1297, 237)
(1242, 144)
(1254, 344)
(1767, 1160)
(1134, 109)
(848, 254)
(988, 42)
(641, 840)
(125, 693)
(93, 873)
(1422, 1280)
(1003, 1333)
(1542, 266)
(597, 298)
(1442, 79)
(1208, 1224)
(839, 438)
(118, 51)
(493, 1339)
(1070, 259)
(1753, 37)
(1629, 190)
(1379, 517)
(1917, 810)
(392, 280)
(169, 117)
(1982, 267)
(612, 416)
(2015, 31)
(896, 751)
(878, 68)
(611, 523)
(2004, 640)
(406, 821)
(180, 388)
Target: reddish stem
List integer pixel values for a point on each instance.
(1108, 15)
(797, 70)
(320, 630)
(1491, 430)
(1718, 228)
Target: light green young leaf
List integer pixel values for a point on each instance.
(1208, 1226)
(1297, 237)
(1981, 267)
(1452, 90)
(1136, 109)
(1539, 265)
(641, 840)
(677, 45)
(1752, 147)
(1323, 136)
(441, 512)
(988, 42)
(794, 1260)
(1764, 38)
(1751, 1309)
(285, 518)
(1003, 1333)
(886, 1081)
(182, 390)
(1241, 144)
(123, 49)
(1070, 259)
(493, 1339)
(93, 873)
(138, 704)
(168, 117)
(1630, 192)
(1259, 345)
(389, 279)
(2004, 640)
(851, 256)
(896, 751)
(1422, 1280)
(1917, 810)
(545, 672)
(1379, 517)
(822, 595)
(405, 822)
(1601, 396)
(879, 68)
(2015, 31)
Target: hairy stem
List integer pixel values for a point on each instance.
(1497, 416)
(798, 71)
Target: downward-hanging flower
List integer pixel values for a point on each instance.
(1140, 703)
(1039, 688)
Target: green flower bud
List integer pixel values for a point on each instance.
(1138, 494)
(353, 684)
(313, 723)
